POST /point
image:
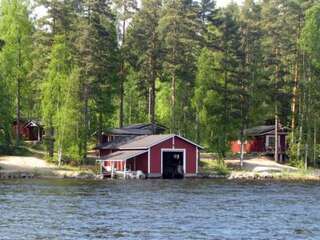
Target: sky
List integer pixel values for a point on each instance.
(223, 3)
(220, 3)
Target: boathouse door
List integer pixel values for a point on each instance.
(172, 164)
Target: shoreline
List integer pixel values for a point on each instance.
(19, 167)
(233, 176)
(299, 175)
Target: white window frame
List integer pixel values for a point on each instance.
(268, 141)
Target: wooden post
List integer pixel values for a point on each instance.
(39, 134)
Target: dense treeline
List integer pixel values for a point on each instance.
(205, 72)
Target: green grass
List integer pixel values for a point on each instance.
(210, 166)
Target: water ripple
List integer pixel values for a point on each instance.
(158, 209)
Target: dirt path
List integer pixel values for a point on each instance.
(261, 164)
(34, 165)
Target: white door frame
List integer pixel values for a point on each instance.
(163, 150)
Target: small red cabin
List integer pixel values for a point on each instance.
(167, 156)
(30, 130)
(261, 139)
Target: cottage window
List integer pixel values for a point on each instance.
(270, 141)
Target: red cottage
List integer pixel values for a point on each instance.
(261, 139)
(30, 130)
(166, 156)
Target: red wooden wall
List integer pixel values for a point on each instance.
(257, 145)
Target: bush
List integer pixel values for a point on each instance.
(214, 167)
(221, 168)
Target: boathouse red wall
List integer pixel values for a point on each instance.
(174, 143)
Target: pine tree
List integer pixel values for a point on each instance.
(179, 29)
(97, 58)
(125, 11)
(145, 46)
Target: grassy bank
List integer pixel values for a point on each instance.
(213, 167)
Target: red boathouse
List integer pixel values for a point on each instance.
(167, 156)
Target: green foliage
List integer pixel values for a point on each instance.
(60, 100)
(15, 63)
(206, 73)
(295, 161)
(217, 167)
(310, 40)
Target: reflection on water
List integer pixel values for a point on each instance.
(158, 209)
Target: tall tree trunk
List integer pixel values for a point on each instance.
(121, 113)
(122, 72)
(314, 142)
(276, 136)
(301, 110)
(173, 102)
(306, 150)
(51, 141)
(18, 95)
(86, 122)
(99, 133)
(152, 91)
(276, 111)
(295, 82)
(18, 113)
(294, 102)
(241, 146)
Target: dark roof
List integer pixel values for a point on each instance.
(145, 126)
(140, 142)
(33, 123)
(123, 131)
(27, 122)
(145, 141)
(123, 155)
(114, 144)
(262, 130)
(138, 129)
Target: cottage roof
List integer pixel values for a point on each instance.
(262, 130)
(145, 126)
(129, 131)
(123, 155)
(137, 129)
(141, 142)
(28, 122)
(33, 123)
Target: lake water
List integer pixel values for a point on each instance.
(158, 209)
